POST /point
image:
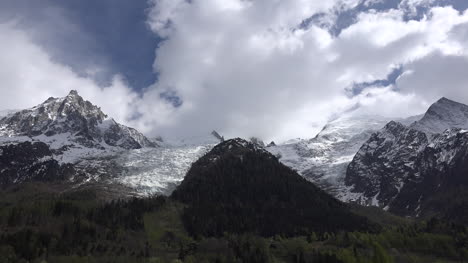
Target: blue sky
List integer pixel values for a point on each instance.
(266, 68)
(114, 35)
(111, 34)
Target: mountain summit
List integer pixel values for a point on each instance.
(442, 115)
(324, 158)
(69, 114)
(409, 170)
(74, 119)
(68, 130)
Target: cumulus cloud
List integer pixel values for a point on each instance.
(240, 66)
(436, 76)
(255, 68)
(29, 76)
(248, 68)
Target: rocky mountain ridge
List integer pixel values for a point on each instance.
(84, 123)
(442, 115)
(403, 168)
(324, 158)
(68, 131)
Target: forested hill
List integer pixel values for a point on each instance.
(239, 187)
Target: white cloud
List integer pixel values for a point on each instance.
(29, 76)
(242, 71)
(436, 76)
(246, 69)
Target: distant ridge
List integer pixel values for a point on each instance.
(84, 123)
(417, 170)
(442, 115)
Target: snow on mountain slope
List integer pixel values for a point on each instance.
(395, 160)
(72, 127)
(442, 115)
(98, 150)
(75, 132)
(158, 170)
(324, 159)
(380, 168)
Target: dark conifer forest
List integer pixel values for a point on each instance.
(247, 190)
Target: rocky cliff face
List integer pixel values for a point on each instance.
(440, 182)
(384, 162)
(324, 158)
(79, 120)
(442, 115)
(410, 169)
(28, 161)
(50, 140)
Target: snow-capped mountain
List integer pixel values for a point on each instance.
(74, 131)
(442, 115)
(353, 157)
(400, 166)
(324, 158)
(381, 166)
(440, 184)
(73, 127)
(71, 140)
(84, 122)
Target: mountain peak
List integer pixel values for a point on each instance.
(236, 147)
(442, 115)
(447, 104)
(254, 192)
(238, 143)
(442, 99)
(73, 93)
(394, 127)
(445, 100)
(77, 118)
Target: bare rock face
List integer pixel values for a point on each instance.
(415, 170)
(62, 137)
(324, 158)
(84, 122)
(442, 115)
(54, 116)
(28, 161)
(440, 183)
(383, 163)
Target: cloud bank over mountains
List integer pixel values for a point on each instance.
(273, 69)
